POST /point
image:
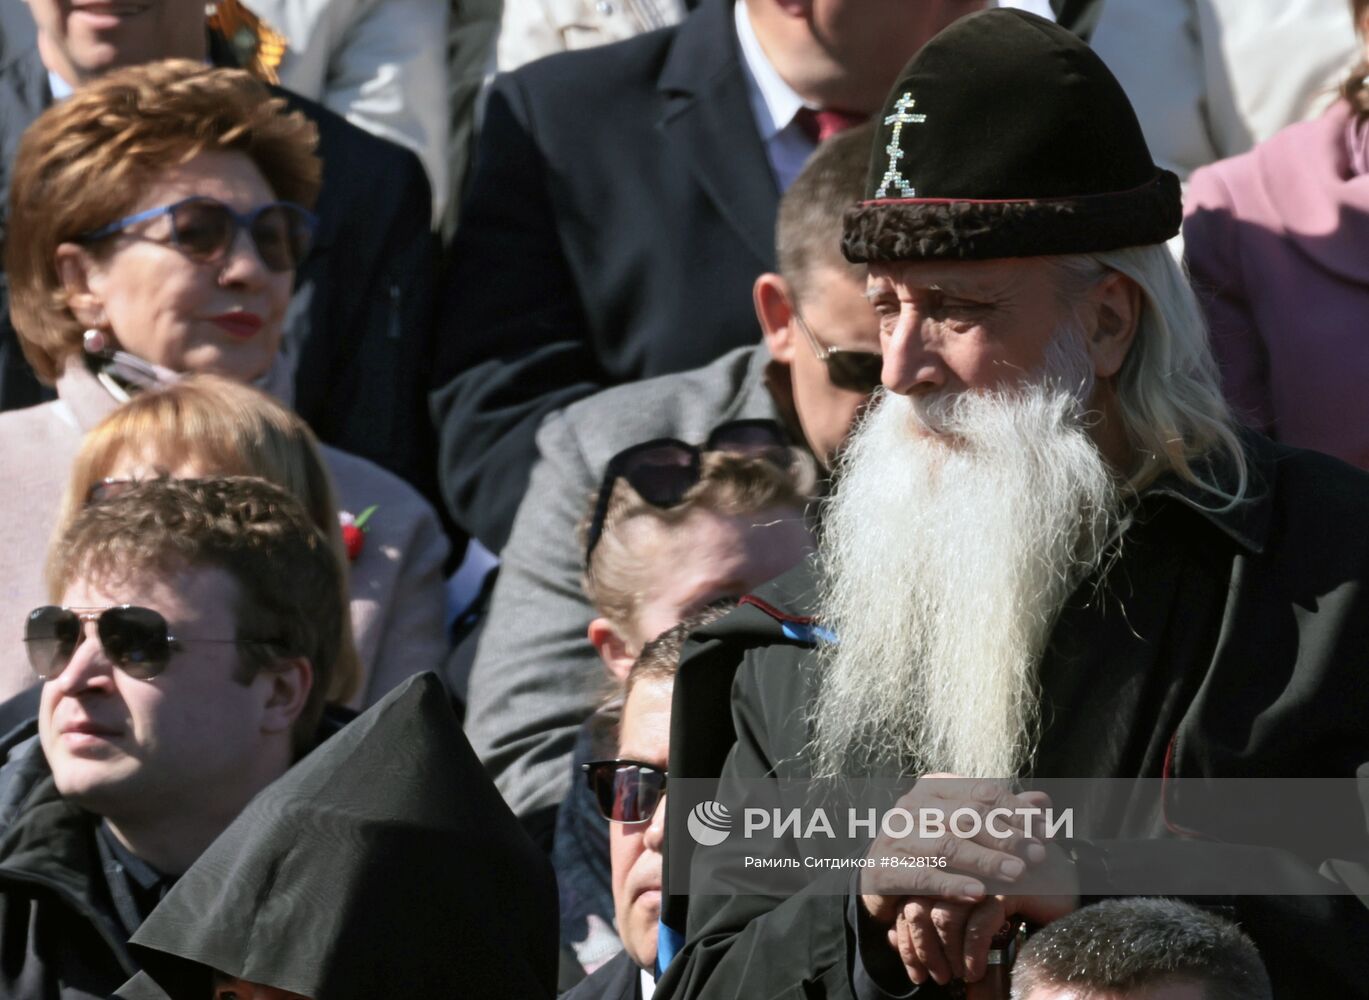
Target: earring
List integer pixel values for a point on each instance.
(95, 341)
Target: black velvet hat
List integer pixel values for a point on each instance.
(1006, 136)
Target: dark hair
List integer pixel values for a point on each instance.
(1355, 89)
(660, 658)
(808, 226)
(1126, 944)
(288, 575)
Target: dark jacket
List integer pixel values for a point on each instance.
(360, 322)
(621, 205)
(1223, 645)
(382, 865)
(620, 978)
(60, 934)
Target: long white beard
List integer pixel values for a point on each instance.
(945, 561)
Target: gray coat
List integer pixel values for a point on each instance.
(536, 678)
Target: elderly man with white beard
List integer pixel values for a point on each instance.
(1050, 554)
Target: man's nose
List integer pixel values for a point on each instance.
(654, 838)
(89, 666)
(911, 357)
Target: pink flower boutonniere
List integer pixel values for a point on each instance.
(354, 531)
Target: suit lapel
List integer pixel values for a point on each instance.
(709, 122)
(23, 93)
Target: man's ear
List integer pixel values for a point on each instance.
(1116, 306)
(290, 680)
(775, 310)
(75, 269)
(613, 648)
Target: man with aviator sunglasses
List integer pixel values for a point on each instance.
(184, 660)
(534, 679)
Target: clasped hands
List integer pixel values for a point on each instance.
(941, 918)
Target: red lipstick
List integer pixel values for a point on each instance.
(240, 325)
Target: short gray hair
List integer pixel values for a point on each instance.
(1129, 944)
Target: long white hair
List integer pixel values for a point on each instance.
(1168, 389)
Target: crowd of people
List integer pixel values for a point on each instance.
(437, 432)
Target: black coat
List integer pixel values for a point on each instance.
(60, 938)
(384, 864)
(1223, 646)
(621, 205)
(360, 322)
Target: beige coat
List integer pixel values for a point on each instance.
(396, 584)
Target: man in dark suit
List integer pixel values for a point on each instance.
(623, 202)
(359, 330)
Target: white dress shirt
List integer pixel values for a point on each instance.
(774, 105)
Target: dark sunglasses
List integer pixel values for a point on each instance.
(205, 229)
(854, 371)
(627, 791)
(664, 470)
(137, 640)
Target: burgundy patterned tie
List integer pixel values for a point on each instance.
(823, 124)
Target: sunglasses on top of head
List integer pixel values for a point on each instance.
(664, 470)
(854, 371)
(205, 229)
(137, 640)
(626, 791)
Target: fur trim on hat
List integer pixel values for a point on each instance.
(950, 229)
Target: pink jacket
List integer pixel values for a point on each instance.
(1277, 245)
(397, 595)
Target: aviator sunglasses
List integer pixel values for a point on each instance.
(204, 229)
(854, 371)
(627, 791)
(664, 470)
(137, 640)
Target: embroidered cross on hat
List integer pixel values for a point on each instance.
(892, 178)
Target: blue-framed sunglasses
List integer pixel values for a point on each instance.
(204, 229)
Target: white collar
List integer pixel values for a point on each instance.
(773, 101)
(648, 984)
(1041, 8)
(61, 90)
